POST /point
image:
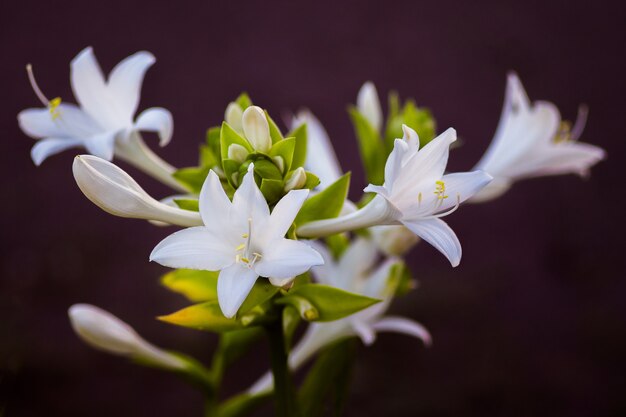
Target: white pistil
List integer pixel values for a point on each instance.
(445, 213)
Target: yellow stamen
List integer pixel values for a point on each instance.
(53, 107)
(240, 247)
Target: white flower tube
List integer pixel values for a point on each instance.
(116, 192)
(102, 330)
(531, 141)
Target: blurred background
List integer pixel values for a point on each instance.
(531, 324)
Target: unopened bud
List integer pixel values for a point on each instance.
(296, 180)
(233, 116)
(237, 153)
(257, 129)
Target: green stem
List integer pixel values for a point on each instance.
(284, 394)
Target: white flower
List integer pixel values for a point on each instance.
(530, 142)
(354, 272)
(116, 192)
(416, 193)
(102, 330)
(241, 239)
(104, 123)
(369, 105)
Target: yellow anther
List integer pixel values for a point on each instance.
(240, 247)
(440, 190)
(564, 133)
(53, 107)
(419, 198)
(245, 235)
(245, 260)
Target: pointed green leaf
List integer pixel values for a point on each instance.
(299, 155)
(213, 135)
(205, 316)
(197, 286)
(272, 190)
(285, 150)
(231, 171)
(262, 291)
(244, 101)
(275, 133)
(312, 180)
(187, 204)
(317, 302)
(229, 136)
(192, 177)
(371, 147)
(326, 204)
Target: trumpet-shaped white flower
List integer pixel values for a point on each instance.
(416, 194)
(241, 239)
(532, 141)
(116, 192)
(355, 272)
(102, 330)
(368, 103)
(104, 123)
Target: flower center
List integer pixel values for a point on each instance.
(244, 254)
(52, 105)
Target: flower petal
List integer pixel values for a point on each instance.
(38, 123)
(248, 201)
(284, 213)
(194, 248)
(355, 262)
(364, 331)
(369, 105)
(126, 78)
(50, 146)
(393, 166)
(285, 258)
(101, 145)
(214, 203)
(462, 185)
(70, 122)
(158, 120)
(327, 272)
(440, 235)
(233, 286)
(405, 326)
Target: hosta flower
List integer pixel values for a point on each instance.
(355, 272)
(104, 122)
(241, 239)
(102, 330)
(531, 141)
(116, 192)
(368, 103)
(416, 194)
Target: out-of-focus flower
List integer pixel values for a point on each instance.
(531, 141)
(116, 192)
(353, 272)
(368, 103)
(416, 194)
(102, 330)
(241, 239)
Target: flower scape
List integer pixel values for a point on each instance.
(268, 241)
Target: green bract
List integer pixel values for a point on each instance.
(326, 204)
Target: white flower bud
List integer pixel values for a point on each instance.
(233, 116)
(102, 330)
(279, 162)
(257, 129)
(296, 180)
(369, 105)
(237, 153)
(114, 191)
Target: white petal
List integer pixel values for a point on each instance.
(101, 145)
(256, 129)
(410, 137)
(325, 273)
(214, 203)
(38, 123)
(461, 186)
(369, 105)
(50, 146)
(360, 256)
(281, 282)
(377, 283)
(233, 116)
(69, 122)
(320, 155)
(233, 286)
(365, 332)
(393, 166)
(285, 258)
(493, 190)
(284, 213)
(125, 81)
(159, 120)
(440, 235)
(194, 248)
(405, 326)
(248, 201)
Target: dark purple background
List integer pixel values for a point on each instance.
(531, 324)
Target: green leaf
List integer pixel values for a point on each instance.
(192, 177)
(197, 286)
(328, 380)
(291, 320)
(317, 302)
(187, 204)
(208, 158)
(264, 168)
(402, 281)
(285, 150)
(418, 119)
(242, 404)
(231, 171)
(229, 136)
(337, 244)
(213, 135)
(326, 204)
(272, 190)
(312, 180)
(371, 147)
(262, 291)
(203, 316)
(274, 130)
(244, 101)
(299, 155)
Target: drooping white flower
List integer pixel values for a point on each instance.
(102, 330)
(416, 194)
(355, 272)
(368, 103)
(530, 141)
(241, 239)
(116, 192)
(104, 122)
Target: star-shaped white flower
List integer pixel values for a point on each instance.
(356, 272)
(104, 122)
(530, 142)
(416, 194)
(241, 239)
